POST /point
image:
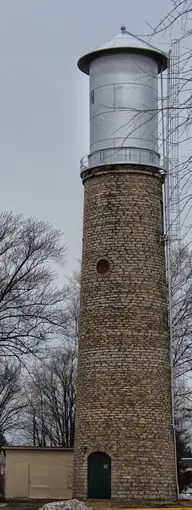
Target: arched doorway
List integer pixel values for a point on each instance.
(99, 476)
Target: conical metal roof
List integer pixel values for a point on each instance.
(123, 43)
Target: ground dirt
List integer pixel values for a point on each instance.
(95, 505)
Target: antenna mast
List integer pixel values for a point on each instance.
(172, 206)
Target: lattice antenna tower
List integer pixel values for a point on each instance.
(173, 213)
(174, 190)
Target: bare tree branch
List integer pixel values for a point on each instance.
(31, 306)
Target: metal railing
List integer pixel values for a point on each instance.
(120, 155)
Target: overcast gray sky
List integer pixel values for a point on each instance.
(44, 101)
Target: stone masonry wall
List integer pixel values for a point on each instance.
(124, 389)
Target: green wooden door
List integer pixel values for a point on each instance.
(99, 476)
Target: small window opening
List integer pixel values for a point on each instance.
(103, 266)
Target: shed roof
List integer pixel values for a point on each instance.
(40, 448)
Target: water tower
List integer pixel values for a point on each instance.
(124, 447)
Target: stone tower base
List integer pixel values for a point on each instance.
(124, 410)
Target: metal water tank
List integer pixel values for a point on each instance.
(123, 101)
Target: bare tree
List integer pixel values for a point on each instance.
(50, 413)
(176, 24)
(72, 309)
(182, 312)
(11, 397)
(182, 336)
(31, 305)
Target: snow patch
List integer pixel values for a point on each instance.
(185, 496)
(70, 504)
